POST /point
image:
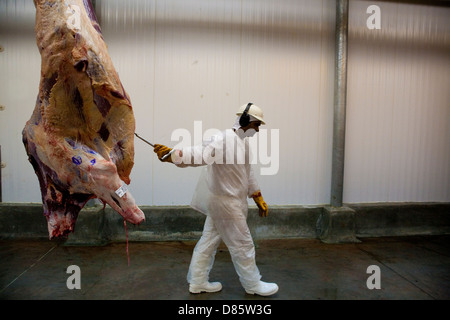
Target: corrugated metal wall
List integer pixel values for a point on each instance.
(199, 60)
(398, 105)
(20, 68)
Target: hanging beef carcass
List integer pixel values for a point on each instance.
(80, 136)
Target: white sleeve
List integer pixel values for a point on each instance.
(188, 157)
(252, 183)
(199, 155)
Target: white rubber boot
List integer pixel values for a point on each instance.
(198, 274)
(263, 289)
(205, 287)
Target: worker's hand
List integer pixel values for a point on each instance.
(162, 150)
(262, 205)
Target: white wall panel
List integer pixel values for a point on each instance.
(19, 82)
(288, 67)
(187, 61)
(398, 112)
(199, 60)
(206, 58)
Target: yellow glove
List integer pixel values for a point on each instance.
(161, 150)
(262, 205)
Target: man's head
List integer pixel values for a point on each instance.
(250, 118)
(250, 112)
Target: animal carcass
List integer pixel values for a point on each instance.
(79, 138)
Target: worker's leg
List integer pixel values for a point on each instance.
(230, 221)
(236, 235)
(203, 257)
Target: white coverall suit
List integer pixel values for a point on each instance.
(221, 194)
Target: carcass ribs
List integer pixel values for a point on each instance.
(79, 138)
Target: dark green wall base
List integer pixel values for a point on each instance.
(96, 226)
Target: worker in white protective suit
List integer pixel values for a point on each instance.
(221, 194)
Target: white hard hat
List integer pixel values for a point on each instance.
(253, 110)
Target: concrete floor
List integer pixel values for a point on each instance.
(416, 268)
